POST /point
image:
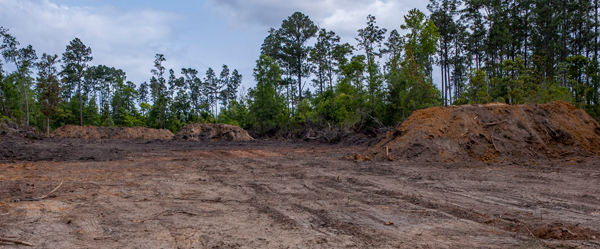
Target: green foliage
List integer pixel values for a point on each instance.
(411, 89)
(48, 87)
(287, 45)
(266, 105)
(67, 113)
(410, 86)
(477, 90)
(422, 39)
(76, 57)
(370, 39)
(235, 114)
(11, 102)
(348, 105)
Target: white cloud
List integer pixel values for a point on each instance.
(344, 17)
(122, 39)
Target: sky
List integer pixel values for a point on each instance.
(127, 34)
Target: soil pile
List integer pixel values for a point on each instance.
(11, 129)
(492, 132)
(93, 132)
(212, 132)
(559, 231)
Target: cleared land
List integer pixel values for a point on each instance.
(279, 194)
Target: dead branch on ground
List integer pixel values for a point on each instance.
(532, 235)
(46, 196)
(16, 242)
(494, 143)
(495, 123)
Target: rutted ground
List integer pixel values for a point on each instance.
(273, 194)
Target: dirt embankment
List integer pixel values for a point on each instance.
(93, 132)
(492, 132)
(212, 132)
(13, 130)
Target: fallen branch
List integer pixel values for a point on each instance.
(533, 151)
(548, 126)
(494, 143)
(532, 235)
(540, 201)
(567, 230)
(186, 212)
(171, 212)
(43, 197)
(490, 124)
(46, 196)
(16, 242)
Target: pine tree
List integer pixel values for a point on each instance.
(24, 59)
(472, 17)
(48, 87)
(294, 33)
(76, 57)
(266, 106)
(143, 93)
(211, 89)
(224, 79)
(159, 85)
(422, 39)
(370, 39)
(195, 85)
(326, 56)
(443, 16)
(234, 84)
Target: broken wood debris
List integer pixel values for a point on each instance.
(15, 241)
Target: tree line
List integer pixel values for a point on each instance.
(68, 90)
(518, 51)
(515, 52)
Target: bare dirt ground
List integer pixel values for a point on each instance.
(281, 194)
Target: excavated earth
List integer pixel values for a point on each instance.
(212, 132)
(492, 133)
(92, 193)
(94, 132)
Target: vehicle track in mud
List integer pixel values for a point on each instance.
(281, 194)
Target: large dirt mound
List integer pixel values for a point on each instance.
(212, 132)
(93, 132)
(492, 132)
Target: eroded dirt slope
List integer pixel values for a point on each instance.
(493, 132)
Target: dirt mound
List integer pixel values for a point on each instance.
(93, 132)
(492, 132)
(11, 129)
(212, 132)
(559, 231)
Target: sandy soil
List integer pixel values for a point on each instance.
(276, 194)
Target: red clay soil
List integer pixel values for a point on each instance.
(93, 132)
(212, 132)
(492, 132)
(558, 231)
